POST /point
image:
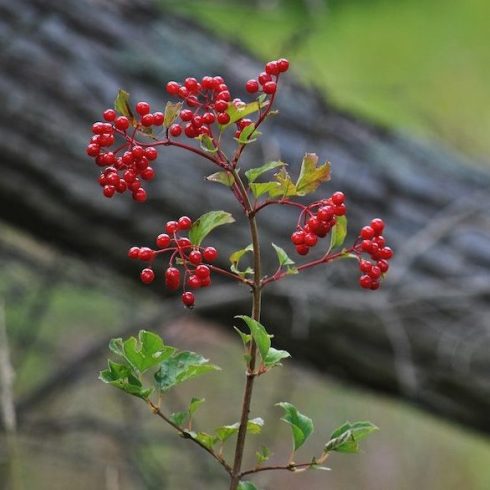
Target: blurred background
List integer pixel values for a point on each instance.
(395, 94)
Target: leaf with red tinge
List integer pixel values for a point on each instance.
(311, 174)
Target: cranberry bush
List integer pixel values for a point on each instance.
(125, 144)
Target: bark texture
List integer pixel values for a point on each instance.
(424, 337)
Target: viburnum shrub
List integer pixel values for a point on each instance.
(126, 145)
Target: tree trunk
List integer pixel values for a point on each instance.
(424, 337)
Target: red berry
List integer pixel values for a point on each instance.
(375, 272)
(210, 254)
(186, 115)
(377, 225)
(175, 130)
(367, 233)
(173, 88)
(195, 257)
(110, 115)
(151, 153)
(223, 118)
(224, 95)
(298, 237)
(386, 253)
(325, 213)
(365, 281)
(311, 239)
(205, 281)
(380, 240)
(272, 68)
(122, 123)
(202, 271)
(221, 105)
(148, 174)
(374, 285)
(194, 282)
(133, 252)
(191, 83)
(188, 299)
(252, 86)
(208, 118)
(184, 243)
(140, 195)
(383, 265)
(138, 151)
(146, 254)
(322, 229)
(207, 83)
(142, 108)
(172, 273)
(171, 227)
(283, 65)
(183, 92)
(340, 210)
(338, 198)
(270, 87)
(147, 276)
(365, 266)
(197, 121)
(190, 131)
(109, 190)
(302, 249)
(94, 149)
(158, 118)
(163, 240)
(264, 78)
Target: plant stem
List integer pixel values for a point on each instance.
(256, 304)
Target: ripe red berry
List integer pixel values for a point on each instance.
(147, 276)
(383, 265)
(302, 249)
(190, 131)
(186, 115)
(133, 252)
(375, 272)
(338, 198)
(171, 227)
(194, 282)
(184, 243)
(367, 233)
(140, 195)
(269, 87)
(283, 65)
(340, 210)
(325, 213)
(210, 254)
(272, 68)
(377, 225)
(195, 257)
(158, 118)
(208, 118)
(151, 153)
(298, 237)
(264, 78)
(221, 105)
(122, 123)
(188, 299)
(147, 120)
(173, 88)
(202, 271)
(183, 92)
(311, 239)
(191, 83)
(365, 266)
(175, 130)
(93, 150)
(163, 240)
(223, 118)
(172, 278)
(207, 82)
(386, 253)
(110, 115)
(365, 281)
(142, 108)
(252, 86)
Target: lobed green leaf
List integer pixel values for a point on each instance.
(260, 188)
(311, 174)
(262, 455)
(207, 223)
(122, 377)
(301, 425)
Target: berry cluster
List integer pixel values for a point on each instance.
(209, 100)
(319, 218)
(124, 171)
(371, 242)
(193, 259)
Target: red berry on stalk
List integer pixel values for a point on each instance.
(223, 118)
(367, 233)
(311, 239)
(171, 227)
(186, 115)
(147, 276)
(302, 249)
(210, 254)
(184, 243)
(269, 87)
(272, 68)
(383, 265)
(195, 257)
(184, 223)
(202, 271)
(110, 115)
(264, 78)
(146, 254)
(94, 149)
(221, 105)
(340, 210)
(142, 108)
(386, 253)
(188, 299)
(133, 252)
(122, 123)
(191, 83)
(283, 65)
(173, 88)
(158, 118)
(151, 153)
(148, 174)
(252, 86)
(338, 198)
(140, 195)
(365, 282)
(190, 131)
(183, 92)
(109, 190)
(377, 225)
(298, 237)
(163, 240)
(365, 266)
(175, 130)
(194, 282)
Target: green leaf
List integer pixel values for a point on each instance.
(195, 404)
(226, 431)
(263, 454)
(246, 485)
(246, 133)
(207, 223)
(172, 111)
(274, 357)
(179, 418)
(146, 352)
(301, 425)
(286, 187)
(284, 260)
(206, 439)
(254, 426)
(122, 377)
(225, 178)
(346, 438)
(240, 112)
(339, 232)
(311, 174)
(116, 346)
(121, 104)
(259, 334)
(254, 173)
(246, 338)
(207, 143)
(235, 258)
(181, 367)
(260, 188)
